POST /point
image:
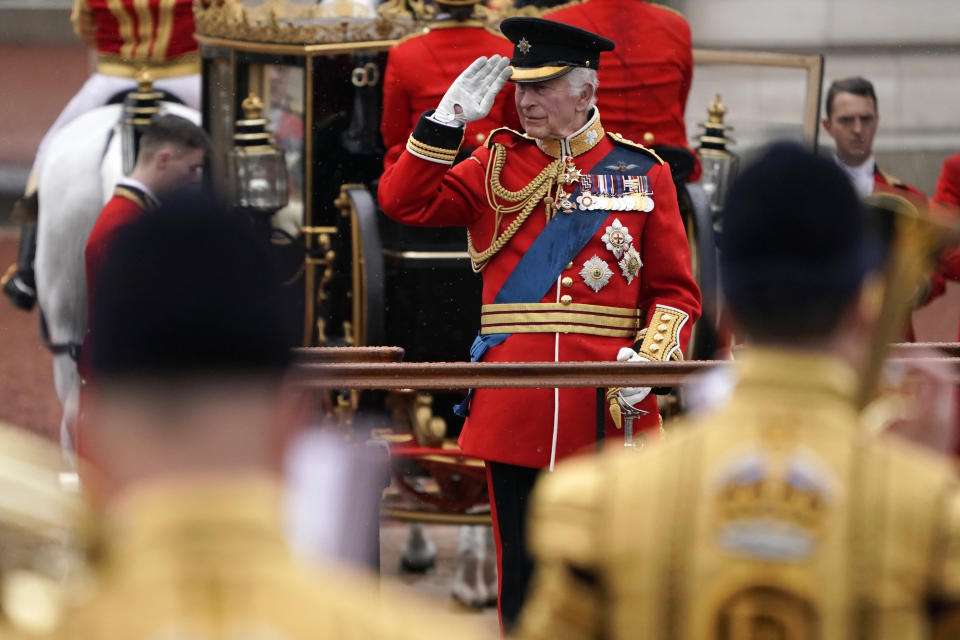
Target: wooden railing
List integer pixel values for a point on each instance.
(320, 370)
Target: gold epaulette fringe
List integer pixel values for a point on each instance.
(619, 139)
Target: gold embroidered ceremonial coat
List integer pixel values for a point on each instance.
(776, 516)
(206, 559)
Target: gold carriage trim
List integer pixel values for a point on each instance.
(431, 153)
(185, 65)
(548, 317)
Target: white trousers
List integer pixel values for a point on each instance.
(99, 88)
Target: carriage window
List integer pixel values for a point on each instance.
(284, 112)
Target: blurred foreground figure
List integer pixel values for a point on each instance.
(187, 424)
(38, 552)
(777, 515)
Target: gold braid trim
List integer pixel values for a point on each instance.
(525, 201)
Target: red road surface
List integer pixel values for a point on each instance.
(27, 396)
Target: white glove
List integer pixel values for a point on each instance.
(471, 95)
(632, 396)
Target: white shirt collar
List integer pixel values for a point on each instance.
(860, 175)
(136, 184)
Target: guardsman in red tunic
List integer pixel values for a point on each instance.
(645, 80)
(851, 120)
(581, 246)
(128, 35)
(422, 66)
(948, 185)
(946, 202)
(171, 155)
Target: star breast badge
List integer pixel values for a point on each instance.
(524, 46)
(617, 238)
(595, 273)
(630, 265)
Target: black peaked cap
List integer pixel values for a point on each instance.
(544, 49)
(793, 227)
(187, 289)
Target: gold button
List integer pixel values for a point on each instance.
(480, 137)
(666, 317)
(569, 265)
(654, 348)
(567, 281)
(662, 327)
(565, 299)
(648, 137)
(658, 337)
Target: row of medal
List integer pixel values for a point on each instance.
(615, 193)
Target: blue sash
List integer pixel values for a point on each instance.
(559, 242)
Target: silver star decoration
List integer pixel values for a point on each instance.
(595, 273)
(617, 238)
(524, 46)
(630, 265)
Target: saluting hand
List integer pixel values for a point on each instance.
(471, 95)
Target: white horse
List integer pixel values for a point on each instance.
(77, 174)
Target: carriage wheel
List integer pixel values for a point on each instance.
(367, 273)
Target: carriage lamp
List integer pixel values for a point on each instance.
(139, 106)
(719, 164)
(257, 168)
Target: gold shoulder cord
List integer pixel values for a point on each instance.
(525, 201)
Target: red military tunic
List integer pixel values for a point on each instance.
(515, 426)
(946, 202)
(884, 182)
(420, 69)
(129, 34)
(128, 203)
(645, 80)
(948, 185)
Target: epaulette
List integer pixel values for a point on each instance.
(505, 130)
(630, 144)
(135, 196)
(411, 36)
(892, 180)
(558, 7)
